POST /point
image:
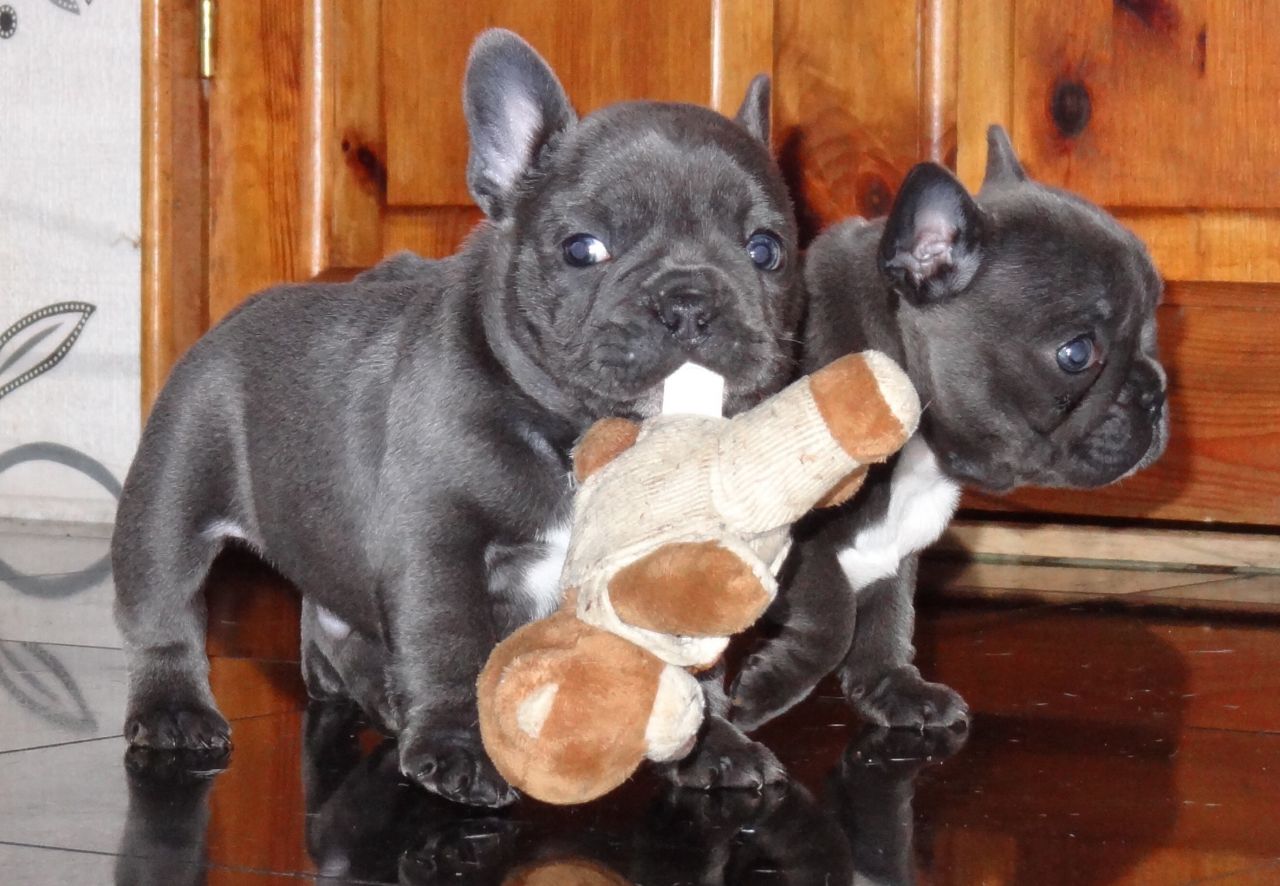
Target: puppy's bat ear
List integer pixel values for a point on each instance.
(514, 105)
(932, 243)
(1002, 163)
(754, 111)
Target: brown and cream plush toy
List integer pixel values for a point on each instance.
(679, 526)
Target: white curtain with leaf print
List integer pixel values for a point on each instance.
(69, 255)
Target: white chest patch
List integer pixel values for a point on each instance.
(542, 577)
(921, 502)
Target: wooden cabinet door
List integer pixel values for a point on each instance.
(331, 134)
(335, 132)
(1164, 112)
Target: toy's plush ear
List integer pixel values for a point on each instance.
(602, 443)
(514, 105)
(754, 111)
(868, 404)
(1002, 163)
(931, 246)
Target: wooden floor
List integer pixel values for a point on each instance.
(1127, 730)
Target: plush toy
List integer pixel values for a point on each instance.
(679, 526)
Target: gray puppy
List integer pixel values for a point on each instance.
(1026, 320)
(398, 447)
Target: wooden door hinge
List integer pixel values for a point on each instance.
(206, 39)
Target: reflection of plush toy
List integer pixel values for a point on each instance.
(679, 525)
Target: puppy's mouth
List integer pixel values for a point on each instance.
(625, 371)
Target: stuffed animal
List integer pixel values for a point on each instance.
(680, 524)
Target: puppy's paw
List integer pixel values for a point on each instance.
(453, 764)
(904, 699)
(190, 726)
(902, 749)
(163, 769)
(765, 688)
(725, 758)
(473, 849)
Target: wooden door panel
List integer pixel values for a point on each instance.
(1223, 460)
(255, 152)
(634, 50)
(847, 106)
(1152, 104)
(335, 136)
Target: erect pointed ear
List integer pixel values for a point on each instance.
(754, 111)
(514, 105)
(931, 246)
(1002, 163)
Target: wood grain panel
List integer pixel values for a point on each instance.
(938, 31)
(344, 174)
(435, 232)
(255, 155)
(1219, 245)
(1154, 103)
(174, 299)
(984, 81)
(602, 50)
(741, 47)
(847, 105)
(1223, 460)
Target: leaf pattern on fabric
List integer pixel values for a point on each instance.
(69, 5)
(35, 677)
(37, 342)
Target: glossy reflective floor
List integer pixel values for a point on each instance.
(1127, 730)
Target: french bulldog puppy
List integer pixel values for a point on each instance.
(1025, 317)
(398, 447)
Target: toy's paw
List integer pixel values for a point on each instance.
(904, 699)
(725, 758)
(190, 726)
(453, 764)
(765, 688)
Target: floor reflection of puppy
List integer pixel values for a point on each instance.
(1026, 320)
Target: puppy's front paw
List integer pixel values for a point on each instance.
(453, 764)
(190, 726)
(725, 758)
(765, 688)
(904, 699)
(894, 750)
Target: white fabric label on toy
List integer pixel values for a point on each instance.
(693, 390)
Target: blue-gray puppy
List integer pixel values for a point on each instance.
(398, 447)
(1026, 320)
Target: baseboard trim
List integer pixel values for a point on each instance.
(1135, 547)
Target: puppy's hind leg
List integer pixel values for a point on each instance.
(163, 546)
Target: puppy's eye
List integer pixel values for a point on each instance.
(584, 250)
(765, 251)
(1078, 355)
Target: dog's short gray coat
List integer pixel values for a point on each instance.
(398, 447)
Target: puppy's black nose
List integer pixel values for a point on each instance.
(687, 314)
(1152, 400)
